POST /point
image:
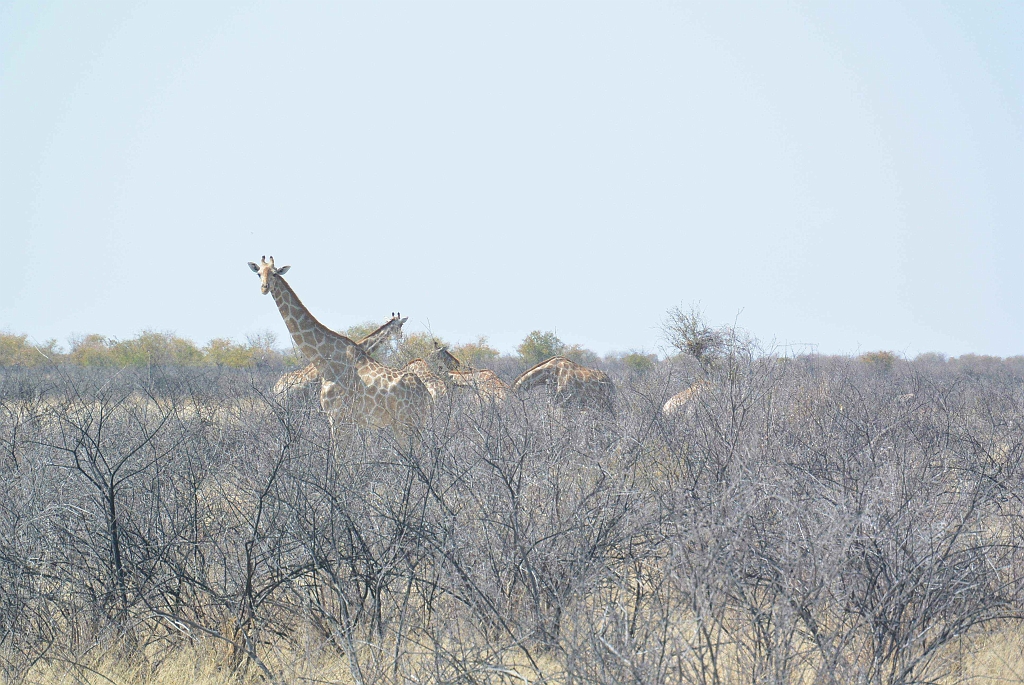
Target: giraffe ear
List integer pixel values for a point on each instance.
(283, 270)
(255, 269)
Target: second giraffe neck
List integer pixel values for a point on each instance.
(316, 341)
(380, 336)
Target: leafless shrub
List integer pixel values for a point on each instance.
(811, 519)
(689, 333)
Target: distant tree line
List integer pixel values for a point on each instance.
(165, 348)
(145, 349)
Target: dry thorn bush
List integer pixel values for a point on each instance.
(807, 520)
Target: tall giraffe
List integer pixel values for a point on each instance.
(355, 386)
(574, 384)
(390, 329)
(484, 382)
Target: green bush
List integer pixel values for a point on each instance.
(541, 345)
(150, 347)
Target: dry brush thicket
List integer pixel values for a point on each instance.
(811, 520)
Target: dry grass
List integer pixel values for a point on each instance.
(994, 659)
(204, 663)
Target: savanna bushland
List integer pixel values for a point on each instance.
(165, 518)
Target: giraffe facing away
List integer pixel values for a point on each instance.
(356, 388)
(390, 329)
(575, 385)
(484, 382)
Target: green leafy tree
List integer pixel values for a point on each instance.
(581, 355)
(931, 358)
(538, 346)
(90, 350)
(476, 354)
(15, 350)
(639, 363)
(150, 347)
(226, 352)
(979, 360)
(881, 360)
(263, 347)
(360, 330)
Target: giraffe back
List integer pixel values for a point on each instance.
(678, 402)
(575, 384)
(295, 379)
(484, 381)
(433, 383)
(374, 394)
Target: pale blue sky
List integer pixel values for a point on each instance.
(849, 175)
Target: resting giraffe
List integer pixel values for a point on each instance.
(574, 384)
(392, 328)
(484, 381)
(355, 386)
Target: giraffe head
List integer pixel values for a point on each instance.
(442, 359)
(392, 327)
(266, 271)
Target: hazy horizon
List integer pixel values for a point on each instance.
(843, 176)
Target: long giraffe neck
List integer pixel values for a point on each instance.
(380, 336)
(545, 372)
(332, 354)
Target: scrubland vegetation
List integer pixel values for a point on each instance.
(806, 519)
